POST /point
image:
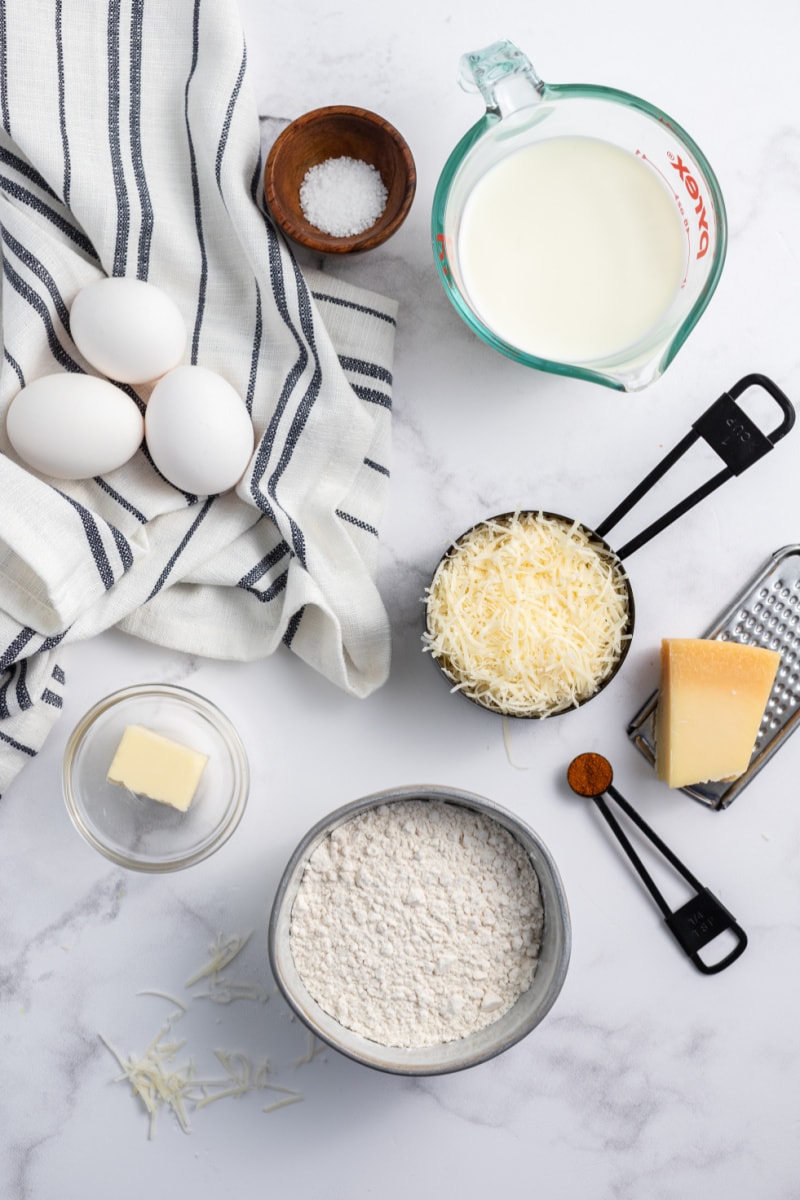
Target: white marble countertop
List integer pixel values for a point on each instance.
(647, 1078)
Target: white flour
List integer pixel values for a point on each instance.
(417, 922)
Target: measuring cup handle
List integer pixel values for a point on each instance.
(780, 398)
(731, 433)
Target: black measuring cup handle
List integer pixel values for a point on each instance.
(731, 433)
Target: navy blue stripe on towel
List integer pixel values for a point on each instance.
(372, 312)
(37, 304)
(357, 522)
(34, 202)
(15, 745)
(257, 335)
(120, 186)
(145, 205)
(277, 586)
(37, 268)
(15, 648)
(15, 367)
(120, 499)
(228, 118)
(198, 216)
(24, 168)
(165, 574)
(372, 396)
(267, 443)
(4, 112)
(23, 696)
(62, 111)
(95, 542)
(265, 564)
(293, 626)
(360, 366)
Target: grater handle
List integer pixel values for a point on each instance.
(731, 433)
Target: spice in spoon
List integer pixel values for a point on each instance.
(702, 918)
(590, 775)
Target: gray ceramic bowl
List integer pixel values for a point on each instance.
(531, 1007)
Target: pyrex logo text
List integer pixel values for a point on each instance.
(690, 183)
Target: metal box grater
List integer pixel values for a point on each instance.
(765, 613)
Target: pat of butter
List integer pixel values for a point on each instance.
(711, 703)
(157, 767)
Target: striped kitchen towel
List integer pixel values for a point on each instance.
(130, 146)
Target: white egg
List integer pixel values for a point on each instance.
(127, 329)
(74, 426)
(198, 431)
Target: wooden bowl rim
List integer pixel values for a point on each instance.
(291, 222)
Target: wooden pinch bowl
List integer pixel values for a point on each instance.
(334, 132)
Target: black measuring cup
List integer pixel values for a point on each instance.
(738, 441)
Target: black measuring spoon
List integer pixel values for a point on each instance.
(702, 918)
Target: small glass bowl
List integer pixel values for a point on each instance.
(132, 830)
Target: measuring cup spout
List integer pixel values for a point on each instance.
(503, 75)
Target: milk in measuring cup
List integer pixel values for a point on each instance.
(571, 249)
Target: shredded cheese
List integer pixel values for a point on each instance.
(314, 1048)
(163, 996)
(222, 990)
(527, 615)
(507, 744)
(282, 1103)
(158, 1085)
(223, 951)
(153, 1082)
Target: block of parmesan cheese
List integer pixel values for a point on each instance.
(711, 702)
(158, 767)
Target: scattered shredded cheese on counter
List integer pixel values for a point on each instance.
(314, 1048)
(527, 615)
(223, 951)
(223, 991)
(158, 1084)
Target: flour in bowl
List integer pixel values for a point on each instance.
(417, 922)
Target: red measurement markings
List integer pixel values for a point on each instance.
(440, 238)
(668, 183)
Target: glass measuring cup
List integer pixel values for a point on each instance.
(524, 112)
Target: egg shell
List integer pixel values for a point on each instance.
(128, 329)
(74, 426)
(198, 431)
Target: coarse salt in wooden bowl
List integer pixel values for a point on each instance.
(335, 132)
